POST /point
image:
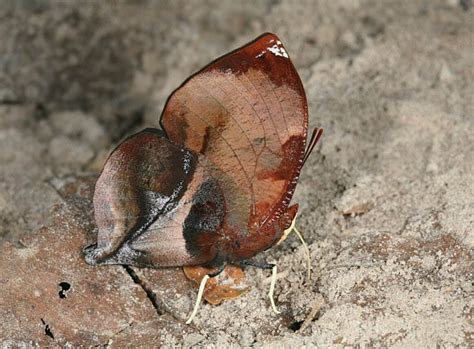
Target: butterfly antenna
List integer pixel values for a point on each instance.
(202, 285)
(317, 133)
(272, 289)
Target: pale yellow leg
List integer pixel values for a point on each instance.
(202, 285)
(287, 231)
(272, 289)
(308, 256)
(284, 237)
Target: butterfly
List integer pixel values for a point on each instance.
(214, 185)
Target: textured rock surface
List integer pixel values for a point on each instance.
(390, 82)
(50, 296)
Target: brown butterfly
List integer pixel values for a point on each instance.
(215, 186)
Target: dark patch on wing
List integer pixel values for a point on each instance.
(143, 178)
(205, 216)
(152, 204)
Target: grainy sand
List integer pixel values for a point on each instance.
(392, 85)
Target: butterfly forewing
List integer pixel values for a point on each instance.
(247, 114)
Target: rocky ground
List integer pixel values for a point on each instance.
(386, 200)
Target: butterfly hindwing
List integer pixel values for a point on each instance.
(187, 233)
(138, 196)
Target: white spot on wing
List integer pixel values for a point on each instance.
(278, 50)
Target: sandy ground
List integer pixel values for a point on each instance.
(391, 82)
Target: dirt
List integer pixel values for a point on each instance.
(386, 200)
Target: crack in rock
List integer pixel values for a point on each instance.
(149, 292)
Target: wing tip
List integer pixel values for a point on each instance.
(267, 36)
(256, 47)
(268, 42)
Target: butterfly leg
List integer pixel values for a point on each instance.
(305, 245)
(273, 267)
(285, 235)
(306, 249)
(202, 287)
(291, 213)
(272, 289)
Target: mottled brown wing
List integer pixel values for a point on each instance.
(142, 199)
(247, 113)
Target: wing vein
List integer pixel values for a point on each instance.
(266, 106)
(229, 114)
(259, 120)
(228, 145)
